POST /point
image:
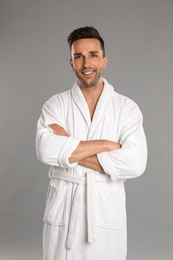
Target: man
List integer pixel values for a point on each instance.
(94, 140)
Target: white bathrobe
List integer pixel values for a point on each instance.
(85, 214)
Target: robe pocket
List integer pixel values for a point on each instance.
(109, 205)
(56, 203)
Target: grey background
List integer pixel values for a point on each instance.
(34, 65)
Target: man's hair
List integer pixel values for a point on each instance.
(85, 33)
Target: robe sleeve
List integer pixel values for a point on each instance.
(53, 149)
(129, 161)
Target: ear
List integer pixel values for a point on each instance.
(105, 61)
(71, 64)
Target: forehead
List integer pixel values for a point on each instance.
(86, 45)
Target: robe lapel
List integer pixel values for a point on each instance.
(81, 103)
(100, 111)
(103, 103)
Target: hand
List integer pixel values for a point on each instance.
(58, 130)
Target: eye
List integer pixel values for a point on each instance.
(93, 55)
(78, 57)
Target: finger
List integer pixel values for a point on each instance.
(53, 125)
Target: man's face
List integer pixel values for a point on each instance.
(87, 61)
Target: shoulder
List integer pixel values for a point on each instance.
(59, 99)
(128, 109)
(125, 102)
(119, 100)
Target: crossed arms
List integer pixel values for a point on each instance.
(60, 149)
(85, 153)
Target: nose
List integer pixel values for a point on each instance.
(86, 62)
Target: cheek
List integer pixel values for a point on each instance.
(100, 64)
(77, 65)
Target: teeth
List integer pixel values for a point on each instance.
(88, 72)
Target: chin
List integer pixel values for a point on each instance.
(90, 82)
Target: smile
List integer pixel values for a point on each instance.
(88, 73)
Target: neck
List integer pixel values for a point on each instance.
(93, 93)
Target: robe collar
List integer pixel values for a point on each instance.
(101, 107)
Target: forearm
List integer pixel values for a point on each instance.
(86, 149)
(126, 163)
(92, 162)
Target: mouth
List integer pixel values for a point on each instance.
(88, 73)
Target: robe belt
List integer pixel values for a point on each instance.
(89, 179)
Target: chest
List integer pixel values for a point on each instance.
(100, 126)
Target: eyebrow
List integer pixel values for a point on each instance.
(80, 53)
(77, 53)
